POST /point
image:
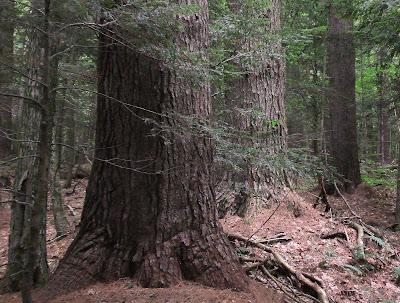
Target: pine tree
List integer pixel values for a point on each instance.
(150, 208)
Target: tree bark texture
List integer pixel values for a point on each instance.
(256, 101)
(27, 255)
(342, 127)
(6, 77)
(57, 201)
(150, 208)
(383, 118)
(397, 210)
(70, 140)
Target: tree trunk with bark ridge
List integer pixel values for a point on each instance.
(150, 208)
(342, 127)
(256, 100)
(6, 78)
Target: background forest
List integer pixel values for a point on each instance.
(212, 142)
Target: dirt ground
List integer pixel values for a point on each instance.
(330, 260)
(123, 292)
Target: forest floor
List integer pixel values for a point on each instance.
(345, 278)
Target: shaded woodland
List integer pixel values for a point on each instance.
(231, 151)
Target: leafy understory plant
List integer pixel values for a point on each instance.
(353, 268)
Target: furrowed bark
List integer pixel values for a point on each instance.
(342, 127)
(150, 209)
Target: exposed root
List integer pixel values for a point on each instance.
(279, 237)
(305, 279)
(359, 249)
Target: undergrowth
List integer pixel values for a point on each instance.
(374, 174)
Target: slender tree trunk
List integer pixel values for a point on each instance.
(397, 211)
(35, 242)
(342, 105)
(258, 114)
(60, 219)
(69, 152)
(397, 117)
(150, 208)
(316, 114)
(383, 118)
(27, 263)
(6, 78)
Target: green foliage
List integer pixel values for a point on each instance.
(397, 272)
(379, 241)
(374, 174)
(353, 268)
(358, 254)
(378, 23)
(242, 251)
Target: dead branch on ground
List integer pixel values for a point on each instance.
(305, 280)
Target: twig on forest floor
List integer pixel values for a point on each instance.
(74, 188)
(71, 209)
(58, 238)
(372, 231)
(345, 201)
(306, 281)
(279, 237)
(278, 283)
(266, 221)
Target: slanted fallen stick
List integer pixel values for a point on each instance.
(278, 258)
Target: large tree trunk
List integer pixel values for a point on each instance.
(6, 78)
(342, 128)
(256, 100)
(150, 208)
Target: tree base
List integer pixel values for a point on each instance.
(201, 257)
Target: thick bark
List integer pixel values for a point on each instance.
(256, 100)
(6, 78)
(342, 127)
(150, 208)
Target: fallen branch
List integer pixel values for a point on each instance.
(345, 201)
(74, 188)
(334, 235)
(57, 238)
(278, 283)
(282, 262)
(71, 210)
(279, 237)
(359, 250)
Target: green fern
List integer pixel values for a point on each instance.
(397, 272)
(242, 251)
(353, 268)
(379, 241)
